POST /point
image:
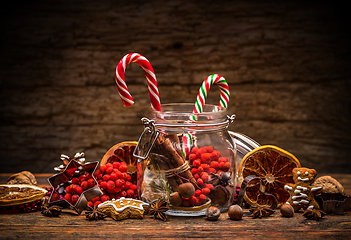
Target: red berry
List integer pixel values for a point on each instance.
(205, 177)
(118, 189)
(129, 178)
(194, 150)
(67, 189)
(119, 175)
(123, 167)
(90, 204)
(103, 168)
(84, 185)
(192, 157)
(108, 165)
(72, 188)
(192, 200)
(127, 185)
(103, 185)
(194, 171)
(212, 170)
(97, 172)
(124, 175)
(91, 182)
(209, 149)
(200, 151)
(209, 186)
(119, 182)
(106, 177)
(226, 166)
(202, 197)
(110, 190)
(206, 191)
(200, 170)
(223, 159)
(214, 164)
(111, 184)
(196, 163)
(130, 193)
(109, 170)
(104, 198)
(67, 197)
(133, 187)
(74, 199)
(196, 176)
(197, 192)
(221, 165)
(79, 190)
(123, 194)
(197, 202)
(215, 155)
(113, 176)
(95, 199)
(205, 167)
(75, 180)
(97, 203)
(116, 164)
(200, 182)
(206, 157)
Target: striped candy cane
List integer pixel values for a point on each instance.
(150, 77)
(188, 139)
(203, 91)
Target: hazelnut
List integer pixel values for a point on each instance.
(212, 213)
(175, 199)
(287, 210)
(186, 190)
(235, 212)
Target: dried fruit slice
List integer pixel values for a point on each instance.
(123, 152)
(15, 194)
(273, 166)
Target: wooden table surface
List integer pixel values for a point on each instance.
(69, 225)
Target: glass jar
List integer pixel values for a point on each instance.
(191, 164)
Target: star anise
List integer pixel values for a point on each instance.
(94, 214)
(313, 214)
(260, 212)
(158, 209)
(51, 211)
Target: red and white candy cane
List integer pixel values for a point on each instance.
(150, 77)
(200, 103)
(203, 91)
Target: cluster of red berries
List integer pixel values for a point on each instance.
(76, 187)
(115, 182)
(199, 197)
(204, 161)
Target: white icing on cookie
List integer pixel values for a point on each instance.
(123, 203)
(306, 173)
(303, 179)
(310, 207)
(315, 188)
(301, 202)
(288, 188)
(302, 188)
(297, 191)
(298, 173)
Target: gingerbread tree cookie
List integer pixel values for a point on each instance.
(302, 193)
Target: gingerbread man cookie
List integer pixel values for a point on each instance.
(302, 193)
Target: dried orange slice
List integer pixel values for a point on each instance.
(123, 152)
(273, 166)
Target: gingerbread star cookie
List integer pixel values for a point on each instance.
(124, 208)
(302, 193)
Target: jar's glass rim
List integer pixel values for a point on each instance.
(186, 109)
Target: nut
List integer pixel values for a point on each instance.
(186, 190)
(175, 199)
(330, 185)
(235, 212)
(212, 213)
(287, 210)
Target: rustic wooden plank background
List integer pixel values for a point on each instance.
(288, 66)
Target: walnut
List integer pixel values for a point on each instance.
(330, 185)
(23, 177)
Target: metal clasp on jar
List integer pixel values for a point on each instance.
(149, 128)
